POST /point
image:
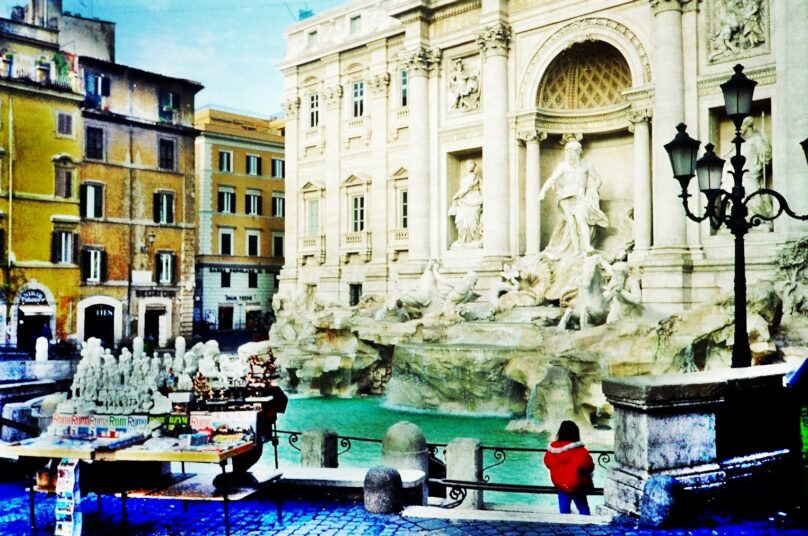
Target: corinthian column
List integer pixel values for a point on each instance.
(493, 42)
(532, 138)
(642, 179)
(419, 63)
(670, 229)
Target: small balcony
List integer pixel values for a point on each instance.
(311, 246)
(399, 240)
(355, 244)
(357, 127)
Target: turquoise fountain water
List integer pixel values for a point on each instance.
(369, 418)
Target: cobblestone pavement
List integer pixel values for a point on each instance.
(258, 516)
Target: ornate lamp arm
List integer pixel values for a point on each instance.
(758, 219)
(715, 210)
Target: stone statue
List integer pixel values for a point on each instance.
(579, 204)
(736, 27)
(467, 208)
(414, 302)
(623, 294)
(463, 291)
(137, 346)
(758, 153)
(464, 87)
(179, 346)
(590, 303)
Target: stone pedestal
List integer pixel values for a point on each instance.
(726, 436)
(404, 447)
(464, 461)
(318, 448)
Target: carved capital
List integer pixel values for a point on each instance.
(291, 107)
(638, 116)
(379, 83)
(332, 96)
(421, 60)
(658, 6)
(495, 39)
(532, 135)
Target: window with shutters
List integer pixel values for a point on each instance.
(253, 202)
(167, 148)
(253, 243)
(312, 217)
(278, 204)
(226, 161)
(63, 247)
(64, 182)
(253, 164)
(64, 125)
(92, 201)
(169, 107)
(225, 241)
(93, 265)
(96, 86)
(94, 143)
(225, 281)
(277, 244)
(278, 168)
(164, 207)
(227, 200)
(252, 280)
(165, 264)
(402, 209)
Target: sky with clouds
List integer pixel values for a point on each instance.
(232, 47)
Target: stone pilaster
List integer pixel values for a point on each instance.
(639, 124)
(419, 62)
(669, 226)
(532, 138)
(494, 41)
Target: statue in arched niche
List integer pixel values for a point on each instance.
(578, 202)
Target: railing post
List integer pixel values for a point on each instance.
(464, 461)
(318, 448)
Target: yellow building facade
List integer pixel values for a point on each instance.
(40, 155)
(240, 218)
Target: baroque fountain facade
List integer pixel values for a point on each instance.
(481, 216)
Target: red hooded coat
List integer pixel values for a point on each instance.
(570, 466)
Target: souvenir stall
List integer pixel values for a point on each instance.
(193, 406)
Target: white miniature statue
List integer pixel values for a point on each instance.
(578, 202)
(41, 349)
(623, 294)
(191, 360)
(178, 365)
(137, 347)
(467, 209)
(179, 346)
(208, 366)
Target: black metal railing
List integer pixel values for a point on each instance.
(456, 490)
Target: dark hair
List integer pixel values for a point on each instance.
(568, 431)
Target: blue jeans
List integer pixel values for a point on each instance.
(564, 500)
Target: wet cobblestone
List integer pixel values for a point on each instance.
(254, 517)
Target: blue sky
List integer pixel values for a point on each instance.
(231, 46)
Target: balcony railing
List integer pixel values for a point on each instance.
(312, 246)
(356, 243)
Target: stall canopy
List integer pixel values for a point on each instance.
(37, 310)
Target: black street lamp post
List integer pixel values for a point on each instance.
(727, 208)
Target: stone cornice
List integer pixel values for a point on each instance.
(560, 122)
(495, 39)
(421, 60)
(455, 9)
(764, 76)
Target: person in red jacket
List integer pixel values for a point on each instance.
(571, 468)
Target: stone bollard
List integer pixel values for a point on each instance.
(404, 447)
(318, 448)
(464, 461)
(383, 490)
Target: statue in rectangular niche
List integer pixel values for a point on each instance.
(467, 209)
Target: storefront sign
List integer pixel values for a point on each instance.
(237, 298)
(33, 296)
(236, 270)
(155, 293)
